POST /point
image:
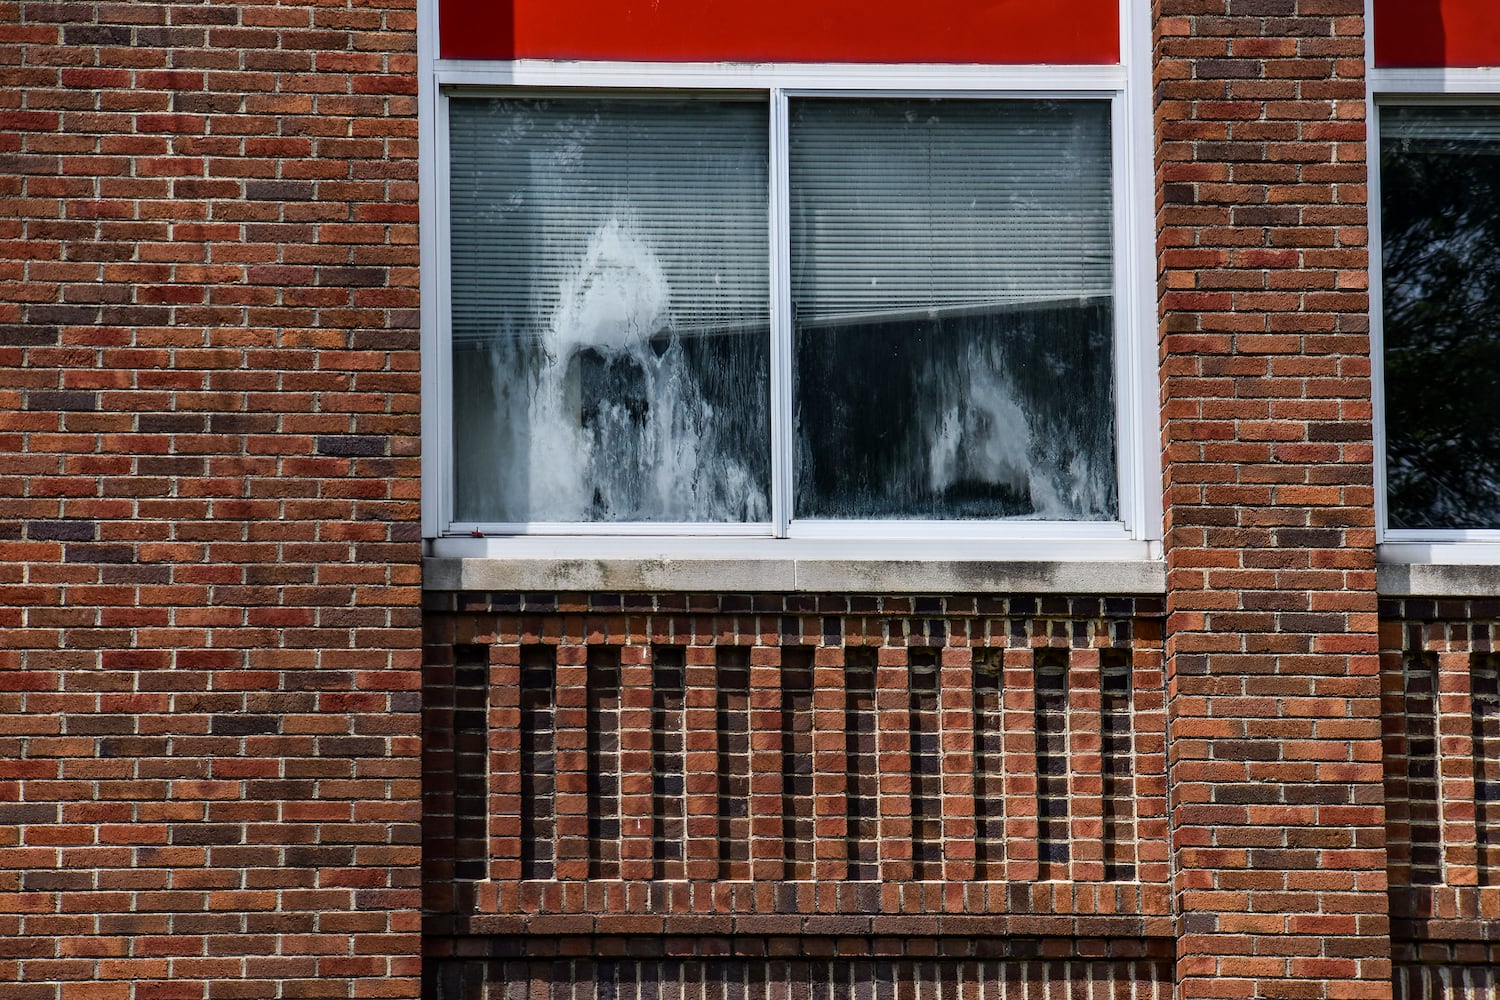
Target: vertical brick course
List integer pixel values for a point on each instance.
(1439, 680)
(772, 694)
(208, 538)
(749, 975)
(1271, 629)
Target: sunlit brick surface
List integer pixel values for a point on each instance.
(848, 979)
(1262, 235)
(210, 569)
(1447, 982)
(1440, 669)
(738, 756)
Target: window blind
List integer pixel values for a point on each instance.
(907, 205)
(1470, 124)
(533, 182)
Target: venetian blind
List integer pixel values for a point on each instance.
(906, 206)
(1458, 124)
(536, 182)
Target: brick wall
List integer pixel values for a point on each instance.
(208, 547)
(210, 673)
(832, 773)
(1271, 630)
(968, 969)
(1440, 671)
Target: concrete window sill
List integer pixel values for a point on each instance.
(1111, 577)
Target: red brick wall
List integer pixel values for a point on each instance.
(1271, 631)
(209, 601)
(208, 547)
(1440, 668)
(913, 768)
(968, 968)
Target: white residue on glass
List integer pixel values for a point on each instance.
(617, 427)
(979, 431)
(981, 436)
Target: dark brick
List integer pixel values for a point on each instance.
(85, 553)
(352, 445)
(245, 725)
(68, 400)
(29, 335)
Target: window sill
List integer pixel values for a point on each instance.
(1437, 580)
(1439, 564)
(484, 565)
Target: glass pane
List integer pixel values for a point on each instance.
(1440, 254)
(951, 285)
(609, 298)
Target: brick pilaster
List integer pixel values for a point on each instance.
(1277, 811)
(209, 555)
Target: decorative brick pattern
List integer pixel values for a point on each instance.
(1118, 764)
(855, 735)
(715, 978)
(538, 766)
(1053, 763)
(989, 766)
(1446, 982)
(861, 766)
(797, 818)
(1439, 671)
(209, 554)
(1262, 216)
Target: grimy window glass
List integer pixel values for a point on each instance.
(609, 300)
(1440, 266)
(951, 287)
(951, 309)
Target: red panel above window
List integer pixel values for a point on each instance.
(1437, 33)
(936, 31)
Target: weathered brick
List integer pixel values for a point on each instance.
(137, 183)
(1275, 259)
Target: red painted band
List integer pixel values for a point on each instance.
(1414, 33)
(856, 31)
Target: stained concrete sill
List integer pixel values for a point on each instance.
(1437, 580)
(1119, 577)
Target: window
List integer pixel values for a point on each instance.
(1440, 317)
(610, 310)
(773, 313)
(952, 310)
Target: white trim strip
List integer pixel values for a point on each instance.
(1448, 550)
(1399, 82)
(879, 530)
(762, 76)
(434, 338)
(1377, 327)
(714, 547)
(1444, 536)
(783, 466)
(1128, 438)
(873, 531)
(1140, 436)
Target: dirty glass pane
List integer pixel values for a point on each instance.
(609, 310)
(1440, 262)
(951, 287)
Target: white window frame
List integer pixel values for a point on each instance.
(1438, 87)
(1126, 86)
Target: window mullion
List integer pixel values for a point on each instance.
(781, 317)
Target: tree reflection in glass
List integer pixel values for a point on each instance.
(1440, 244)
